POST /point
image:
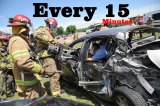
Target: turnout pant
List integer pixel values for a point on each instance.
(51, 70)
(31, 92)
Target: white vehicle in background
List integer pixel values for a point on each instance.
(155, 16)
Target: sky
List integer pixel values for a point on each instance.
(9, 8)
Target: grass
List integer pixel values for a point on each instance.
(70, 92)
(145, 35)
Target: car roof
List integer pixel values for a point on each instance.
(109, 32)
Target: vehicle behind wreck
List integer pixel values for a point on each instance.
(130, 73)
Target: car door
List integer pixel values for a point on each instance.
(69, 59)
(92, 77)
(88, 70)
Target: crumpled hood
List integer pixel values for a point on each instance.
(18, 30)
(154, 56)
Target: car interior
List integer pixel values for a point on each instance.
(91, 65)
(110, 47)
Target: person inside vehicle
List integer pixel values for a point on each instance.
(101, 53)
(93, 50)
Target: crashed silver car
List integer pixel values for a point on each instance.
(129, 75)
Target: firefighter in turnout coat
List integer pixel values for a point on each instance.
(25, 66)
(45, 36)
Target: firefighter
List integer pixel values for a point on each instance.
(45, 37)
(7, 83)
(23, 59)
(3, 51)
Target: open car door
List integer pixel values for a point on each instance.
(91, 74)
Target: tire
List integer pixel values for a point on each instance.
(124, 96)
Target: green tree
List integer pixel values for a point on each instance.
(41, 27)
(91, 27)
(65, 33)
(82, 30)
(60, 31)
(71, 29)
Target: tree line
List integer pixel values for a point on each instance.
(71, 29)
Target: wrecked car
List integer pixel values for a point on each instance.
(128, 75)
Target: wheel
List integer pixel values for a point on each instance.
(124, 96)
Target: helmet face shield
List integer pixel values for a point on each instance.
(53, 27)
(11, 20)
(52, 24)
(31, 28)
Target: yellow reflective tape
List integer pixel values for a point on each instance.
(20, 53)
(45, 54)
(36, 68)
(27, 83)
(55, 93)
(38, 76)
(3, 65)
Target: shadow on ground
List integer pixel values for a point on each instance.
(72, 92)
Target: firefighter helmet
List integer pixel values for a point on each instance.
(52, 23)
(19, 20)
